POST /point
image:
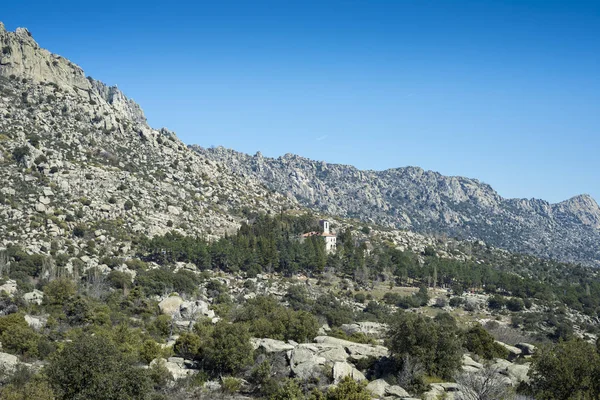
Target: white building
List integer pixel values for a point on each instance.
(329, 237)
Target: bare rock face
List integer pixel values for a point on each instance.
(426, 201)
(344, 369)
(20, 55)
(356, 351)
(8, 362)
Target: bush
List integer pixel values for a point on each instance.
(297, 298)
(92, 367)
(79, 231)
(288, 390)
(481, 342)
(567, 370)
(160, 375)
(149, 351)
(128, 205)
(118, 279)
(231, 385)
(267, 318)
(349, 389)
(58, 291)
(20, 340)
(187, 345)
(34, 388)
(515, 304)
(496, 302)
(228, 349)
(376, 312)
(330, 307)
(456, 301)
(11, 320)
(21, 153)
(435, 344)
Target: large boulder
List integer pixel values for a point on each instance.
(271, 345)
(371, 329)
(356, 351)
(469, 364)
(8, 362)
(176, 367)
(306, 363)
(378, 387)
(34, 297)
(36, 323)
(306, 354)
(516, 373)
(10, 287)
(513, 352)
(170, 305)
(396, 391)
(192, 309)
(344, 369)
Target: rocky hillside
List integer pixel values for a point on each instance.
(79, 160)
(428, 202)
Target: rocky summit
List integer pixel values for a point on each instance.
(76, 151)
(428, 202)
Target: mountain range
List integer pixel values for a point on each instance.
(76, 151)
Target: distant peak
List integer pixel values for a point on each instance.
(584, 207)
(582, 199)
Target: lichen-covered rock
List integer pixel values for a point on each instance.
(356, 351)
(170, 305)
(344, 369)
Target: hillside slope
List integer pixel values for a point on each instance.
(428, 202)
(75, 153)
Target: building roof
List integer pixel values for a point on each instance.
(319, 234)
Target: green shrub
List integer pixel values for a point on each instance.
(228, 350)
(267, 318)
(187, 345)
(149, 351)
(456, 301)
(481, 342)
(331, 308)
(21, 340)
(289, 389)
(435, 344)
(515, 304)
(159, 375)
(567, 370)
(349, 389)
(93, 367)
(231, 385)
(128, 205)
(79, 231)
(20, 153)
(58, 291)
(496, 302)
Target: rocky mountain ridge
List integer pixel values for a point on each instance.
(81, 167)
(78, 156)
(428, 202)
(90, 160)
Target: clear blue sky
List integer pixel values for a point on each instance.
(504, 91)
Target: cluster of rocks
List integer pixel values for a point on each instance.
(329, 360)
(184, 313)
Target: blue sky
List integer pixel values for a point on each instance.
(507, 92)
